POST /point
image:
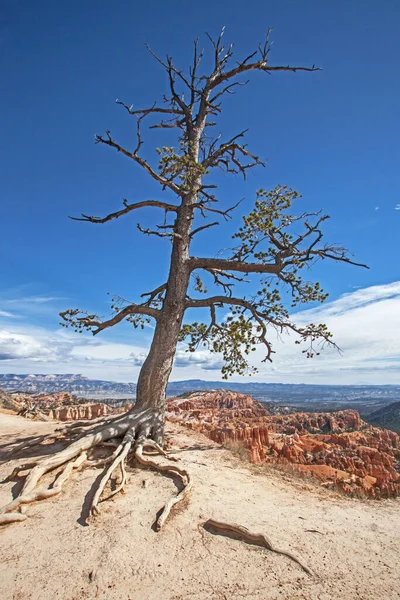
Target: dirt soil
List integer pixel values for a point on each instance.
(352, 546)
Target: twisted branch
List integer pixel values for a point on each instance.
(128, 208)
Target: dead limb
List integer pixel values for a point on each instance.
(242, 533)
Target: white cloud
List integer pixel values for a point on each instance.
(200, 359)
(397, 207)
(4, 313)
(34, 300)
(15, 346)
(365, 324)
(377, 207)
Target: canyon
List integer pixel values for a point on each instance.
(339, 449)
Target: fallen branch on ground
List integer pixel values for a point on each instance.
(241, 533)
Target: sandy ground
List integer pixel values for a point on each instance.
(353, 547)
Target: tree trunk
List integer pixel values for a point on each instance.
(155, 372)
(156, 369)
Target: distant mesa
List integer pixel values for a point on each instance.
(325, 397)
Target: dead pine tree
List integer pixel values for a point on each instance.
(272, 244)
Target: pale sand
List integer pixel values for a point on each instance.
(53, 556)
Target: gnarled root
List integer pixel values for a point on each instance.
(132, 433)
(118, 458)
(241, 533)
(8, 514)
(172, 470)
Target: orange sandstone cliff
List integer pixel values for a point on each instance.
(339, 448)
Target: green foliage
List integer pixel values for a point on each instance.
(200, 287)
(269, 235)
(179, 165)
(233, 338)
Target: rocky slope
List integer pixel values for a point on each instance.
(387, 417)
(60, 406)
(338, 448)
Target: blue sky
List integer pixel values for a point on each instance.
(332, 135)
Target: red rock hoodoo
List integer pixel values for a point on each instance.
(79, 411)
(338, 448)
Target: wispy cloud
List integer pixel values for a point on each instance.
(365, 324)
(33, 300)
(397, 207)
(4, 313)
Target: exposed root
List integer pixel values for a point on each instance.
(12, 518)
(172, 470)
(120, 455)
(39, 493)
(241, 533)
(17, 470)
(71, 425)
(37, 441)
(133, 432)
(104, 461)
(159, 450)
(31, 490)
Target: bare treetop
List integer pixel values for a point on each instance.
(273, 243)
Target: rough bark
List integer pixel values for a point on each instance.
(156, 369)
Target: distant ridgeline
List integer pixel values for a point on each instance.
(63, 382)
(366, 399)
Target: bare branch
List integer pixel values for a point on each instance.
(93, 322)
(338, 254)
(227, 287)
(128, 208)
(155, 293)
(203, 227)
(260, 66)
(229, 155)
(170, 234)
(193, 72)
(228, 90)
(225, 213)
(233, 265)
(152, 109)
(172, 74)
(140, 161)
(180, 123)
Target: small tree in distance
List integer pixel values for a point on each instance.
(272, 244)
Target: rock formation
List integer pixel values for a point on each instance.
(339, 448)
(60, 406)
(79, 412)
